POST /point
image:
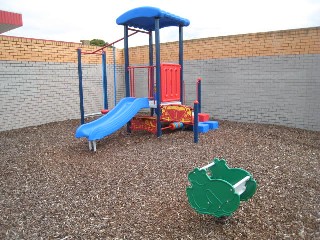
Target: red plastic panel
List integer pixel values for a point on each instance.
(144, 123)
(203, 117)
(170, 82)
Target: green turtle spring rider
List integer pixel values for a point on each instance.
(217, 189)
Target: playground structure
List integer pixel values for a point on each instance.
(165, 86)
(217, 189)
(217, 193)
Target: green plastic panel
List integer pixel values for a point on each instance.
(212, 192)
(214, 197)
(220, 170)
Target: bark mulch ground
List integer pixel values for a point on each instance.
(133, 187)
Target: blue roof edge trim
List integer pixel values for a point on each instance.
(143, 18)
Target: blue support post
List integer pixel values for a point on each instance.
(114, 76)
(126, 70)
(80, 86)
(196, 122)
(181, 64)
(104, 80)
(126, 61)
(151, 63)
(158, 83)
(150, 49)
(199, 93)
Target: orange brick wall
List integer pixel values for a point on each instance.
(38, 50)
(286, 42)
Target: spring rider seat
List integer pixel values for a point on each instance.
(217, 189)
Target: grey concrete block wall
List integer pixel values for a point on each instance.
(282, 90)
(34, 93)
(141, 81)
(120, 82)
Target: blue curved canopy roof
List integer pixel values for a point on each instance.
(144, 18)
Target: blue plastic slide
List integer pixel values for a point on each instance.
(122, 113)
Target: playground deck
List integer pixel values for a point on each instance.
(133, 187)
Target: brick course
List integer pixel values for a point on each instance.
(286, 42)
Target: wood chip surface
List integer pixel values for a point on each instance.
(133, 187)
